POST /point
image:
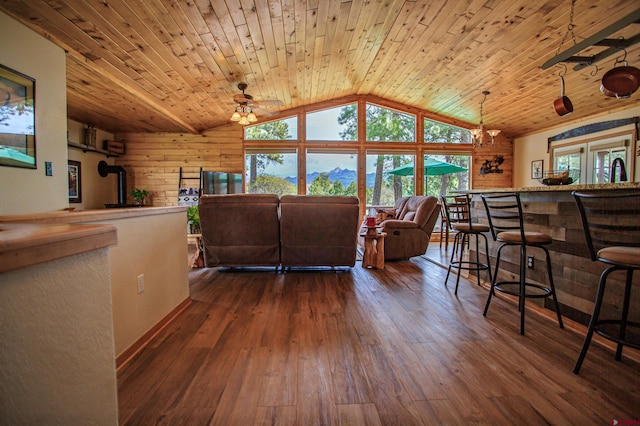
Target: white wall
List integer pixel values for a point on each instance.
(156, 247)
(58, 363)
(29, 190)
(534, 147)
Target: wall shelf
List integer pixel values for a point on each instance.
(87, 148)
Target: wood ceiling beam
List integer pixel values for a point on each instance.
(132, 89)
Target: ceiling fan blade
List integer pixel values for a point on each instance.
(269, 102)
(242, 98)
(261, 112)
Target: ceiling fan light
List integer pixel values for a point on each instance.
(252, 117)
(235, 116)
(243, 120)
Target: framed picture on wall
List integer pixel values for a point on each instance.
(17, 119)
(536, 169)
(75, 182)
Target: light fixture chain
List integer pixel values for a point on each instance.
(569, 28)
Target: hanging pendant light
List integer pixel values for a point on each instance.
(478, 133)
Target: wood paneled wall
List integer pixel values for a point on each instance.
(153, 160)
(503, 146)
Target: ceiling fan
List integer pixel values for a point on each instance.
(248, 107)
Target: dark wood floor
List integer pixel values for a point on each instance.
(379, 347)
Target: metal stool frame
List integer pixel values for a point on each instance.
(504, 212)
(458, 213)
(596, 212)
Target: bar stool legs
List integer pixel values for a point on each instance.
(612, 233)
(468, 264)
(595, 322)
(522, 284)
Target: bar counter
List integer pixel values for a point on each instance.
(552, 210)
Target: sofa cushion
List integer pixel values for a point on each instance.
(240, 229)
(318, 230)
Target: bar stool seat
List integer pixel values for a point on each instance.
(530, 237)
(458, 213)
(504, 212)
(612, 233)
(625, 256)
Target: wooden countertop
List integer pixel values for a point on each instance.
(83, 216)
(23, 244)
(36, 238)
(559, 188)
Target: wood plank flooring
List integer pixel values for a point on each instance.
(366, 347)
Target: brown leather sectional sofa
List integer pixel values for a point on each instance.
(266, 230)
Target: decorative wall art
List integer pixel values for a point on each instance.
(492, 166)
(75, 182)
(537, 169)
(17, 119)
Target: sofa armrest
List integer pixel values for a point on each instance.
(399, 224)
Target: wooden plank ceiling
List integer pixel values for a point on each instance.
(174, 65)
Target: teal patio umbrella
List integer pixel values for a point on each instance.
(431, 168)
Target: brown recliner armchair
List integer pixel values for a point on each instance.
(409, 233)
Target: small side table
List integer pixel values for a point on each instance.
(373, 255)
(197, 260)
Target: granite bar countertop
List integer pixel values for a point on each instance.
(559, 188)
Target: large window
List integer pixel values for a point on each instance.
(357, 148)
(445, 173)
(334, 124)
(271, 171)
(390, 175)
(592, 159)
(332, 172)
(435, 132)
(388, 125)
(285, 129)
(571, 158)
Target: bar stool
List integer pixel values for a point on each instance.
(504, 212)
(444, 227)
(458, 213)
(610, 222)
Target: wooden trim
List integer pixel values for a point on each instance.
(592, 128)
(128, 354)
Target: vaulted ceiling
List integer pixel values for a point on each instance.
(174, 65)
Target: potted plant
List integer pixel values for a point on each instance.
(139, 195)
(193, 218)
